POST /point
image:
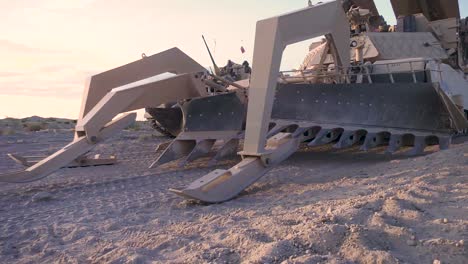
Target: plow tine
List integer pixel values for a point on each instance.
(201, 148)
(325, 136)
(444, 142)
(176, 150)
(419, 146)
(275, 130)
(348, 139)
(320, 138)
(299, 131)
(373, 140)
(229, 148)
(395, 143)
(368, 141)
(162, 146)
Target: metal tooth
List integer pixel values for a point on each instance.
(299, 131)
(325, 136)
(176, 150)
(419, 146)
(373, 140)
(163, 146)
(313, 132)
(227, 149)
(396, 142)
(202, 148)
(349, 138)
(444, 142)
(276, 129)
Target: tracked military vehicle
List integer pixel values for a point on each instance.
(366, 83)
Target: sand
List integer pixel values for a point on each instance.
(320, 206)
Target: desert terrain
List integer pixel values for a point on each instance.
(320, 206)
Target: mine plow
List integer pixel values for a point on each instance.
(400, 102)
(314, 115)
(401, 87)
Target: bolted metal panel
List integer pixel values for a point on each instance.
(412, 106)
(214, 113)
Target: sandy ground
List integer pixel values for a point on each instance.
(320, 206)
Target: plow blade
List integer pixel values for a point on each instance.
(350, 138)
(397, 115)
(402, 106)
(223, 112)
(66, 155)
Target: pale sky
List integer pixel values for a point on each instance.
(49, 47)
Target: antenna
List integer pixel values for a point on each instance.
(216, 69)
